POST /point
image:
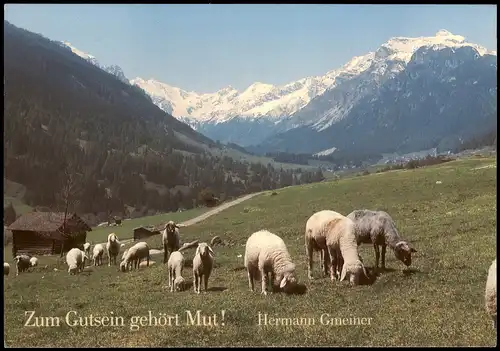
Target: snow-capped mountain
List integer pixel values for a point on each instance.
(263, 110)
(112, 69)
(265, 117)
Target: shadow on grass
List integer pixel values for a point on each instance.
(217, 288)
(297, 289)
(240, 268)
(411, 271)
(370, 278)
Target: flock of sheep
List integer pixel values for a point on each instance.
(336, 237)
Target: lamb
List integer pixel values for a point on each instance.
(134, 255)
(75, 260)
(175, 267)
(33, 261)
(491, 292)
(124, 254)
(203, 262)
(171, 239)
(97, 254)
(334, 233)
(6, 268)
(112, 248)
(379, 229)
(22, 263)
(266, 253)
(86, 249)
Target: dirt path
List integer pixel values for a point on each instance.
(202, 217)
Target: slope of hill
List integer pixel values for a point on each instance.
(453, 233)
(65, 116)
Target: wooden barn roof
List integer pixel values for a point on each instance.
(47, 222)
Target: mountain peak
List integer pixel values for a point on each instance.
(443, 33)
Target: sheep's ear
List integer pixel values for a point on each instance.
(197, 250)
(283, 283)
(344, 273)
(211, 251)
(413, 250)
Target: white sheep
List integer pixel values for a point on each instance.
(6, 268)
(97, 254)
(33, 261)
(75, 260)
(112, 248)
(171, 239)
(86, 249)
(266, 253)
(379, 229)
(334, 233)
(134, 255)
(175, 266)
(124, 254)
(490, 295)
(203, 262)
(22, 263)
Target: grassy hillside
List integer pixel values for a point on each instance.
(439, 301)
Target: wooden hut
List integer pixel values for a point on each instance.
(142, 233)
(44, 233)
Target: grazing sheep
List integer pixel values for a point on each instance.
(124, 254)
(86, 249)
(134, 255)
(22, 263)
(491, 292)
(74, 260)
(33, 261)
(171, 239)
(112, 248)
(378, 228)
(266, 253)
(97, 254)
(334, 233)
(175, 266)
(203, 262)
(6, 268)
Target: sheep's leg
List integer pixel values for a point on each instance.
(309, 254)
(325, 257)
(271, 282)
(377, 255)
(195, 282)
(263, 275)
(165, 253)
(250, 279)
(333, 263)
(384, 247)
(109, 259)
(340, 263)
(171, 278)
(321, 260)
(205, 280)
(147, 261)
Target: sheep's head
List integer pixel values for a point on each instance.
(171, 226)
(403, 252)
(123, 266)
(179, 283)
(72, 269)
(289, 281)
(355, 270)
(204, 250)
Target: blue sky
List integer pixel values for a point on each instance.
(208, 47)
